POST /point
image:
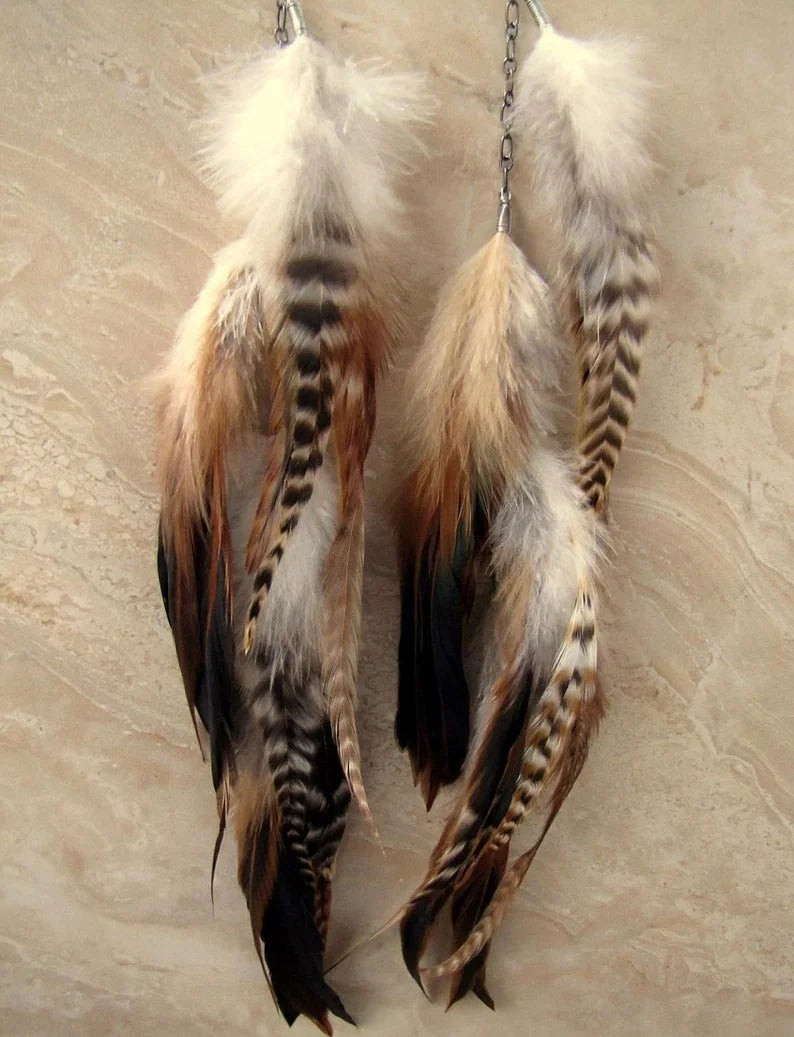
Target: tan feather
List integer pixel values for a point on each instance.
(477, 392)
(354, 420)
(210, 394)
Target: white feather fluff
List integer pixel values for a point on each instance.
(543, 527)
(582, 110)
(291, 623)
(298, 133)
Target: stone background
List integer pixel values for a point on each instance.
(662, 899)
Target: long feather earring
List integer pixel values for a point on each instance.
(265, 413)
(582, 107)
(488, 492)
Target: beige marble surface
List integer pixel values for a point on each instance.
(662, 900)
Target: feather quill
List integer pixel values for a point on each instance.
(582, 112)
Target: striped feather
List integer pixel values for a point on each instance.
(311, 344)
(581, 107)
(543, 550)
(344, 572)
(470, 951)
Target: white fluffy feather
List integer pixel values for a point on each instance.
(543, 526)
(291, 623)
(298, 133)
(582, 110)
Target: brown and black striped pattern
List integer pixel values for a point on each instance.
(289, 837)
(492, 774)
(317, 289)
(610, 294)
(558, 736)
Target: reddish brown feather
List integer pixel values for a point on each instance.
(192, 472)
(352, 428)
(277, 436)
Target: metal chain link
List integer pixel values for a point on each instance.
(506, 146)
(280, 34)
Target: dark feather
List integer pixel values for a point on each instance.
(294, 949)
(494, 772)
(217, 695)
(432, 720)
(163, 572)
(468, 906)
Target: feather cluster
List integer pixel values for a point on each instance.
(266, 409)
(492, 498)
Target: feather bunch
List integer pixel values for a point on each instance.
(491, 494)
(488, 494)
(266, 409)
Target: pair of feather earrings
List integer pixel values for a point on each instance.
(266, 409)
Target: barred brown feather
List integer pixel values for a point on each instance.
(582, 112)
(610, 290)
(319, 278)
(354, 421)
(557, 739)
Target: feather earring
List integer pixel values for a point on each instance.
(582, 107)
(266, 408)
(488, 492)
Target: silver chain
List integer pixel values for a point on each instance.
(506, 146)
(280, 35)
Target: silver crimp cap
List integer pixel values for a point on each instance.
(505, 221)
(296, 17)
